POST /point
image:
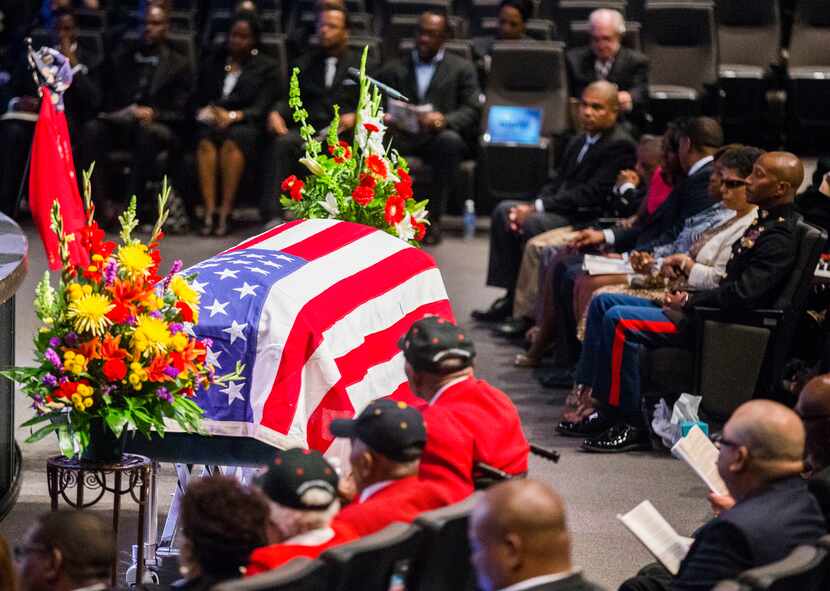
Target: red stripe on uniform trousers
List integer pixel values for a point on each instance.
(657, 326)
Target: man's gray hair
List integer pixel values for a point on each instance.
(615, 16)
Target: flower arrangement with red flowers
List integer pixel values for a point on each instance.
(365, 182)
(116, 343)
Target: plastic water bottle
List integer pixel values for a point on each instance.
(469, 219)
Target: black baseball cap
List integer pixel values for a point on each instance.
(393, 429)
(294, 474)
(432, 340)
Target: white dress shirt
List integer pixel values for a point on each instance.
(424, 71)
(331, 70)
(542, 580)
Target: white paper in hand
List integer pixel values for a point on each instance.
(702, 456)
(655, 533)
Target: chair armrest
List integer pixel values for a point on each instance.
(758, 317)
(543, 452)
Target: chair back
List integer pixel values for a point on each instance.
(298, 574)
(371, 563)
(811, 241)
(443, 563)
(274, 47)
(811, 27)
(805, 569)
(680, 42)
(749, 32)
(530, 74)
(580, 35)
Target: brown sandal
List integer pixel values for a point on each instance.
(578, 404)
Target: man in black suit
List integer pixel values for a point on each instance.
(761, 459)
(814, 409)
(576, 195)
(519, 539)
(446, 131)
(67, 550)
(606, 59)
(323, 71)
(147, 91)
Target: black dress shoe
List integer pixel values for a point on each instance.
(433, 235)
(513, 327)
(593, 425)
(619, 438)
(558, 377)
(498, 310)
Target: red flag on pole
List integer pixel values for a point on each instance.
(52, 177)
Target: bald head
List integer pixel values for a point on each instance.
(518, 531)
(770, 430)
(775, 179)
(604, 91)
(599, 107)
(814, 409)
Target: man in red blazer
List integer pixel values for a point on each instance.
(439, 364)
(388, 438)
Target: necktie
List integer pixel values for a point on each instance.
(603, 68)
(589, 141)
(331, 70)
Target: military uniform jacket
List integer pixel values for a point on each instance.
(762, 261)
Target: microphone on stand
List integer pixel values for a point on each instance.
(354, 73)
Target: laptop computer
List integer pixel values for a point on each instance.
(514, 125)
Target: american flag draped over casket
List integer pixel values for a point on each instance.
(314, 310)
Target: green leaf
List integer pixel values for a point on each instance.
(37, 419)
(42, 432)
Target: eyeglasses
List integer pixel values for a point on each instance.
(719, 440)
(23, 550)
(733, 183)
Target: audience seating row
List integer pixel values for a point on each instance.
(807, 568)
(426, 555)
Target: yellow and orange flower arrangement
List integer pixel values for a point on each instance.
(116, 342)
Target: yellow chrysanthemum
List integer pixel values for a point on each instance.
(90, 313)
(151, 334)
(179, 341)
(134, 259)
(183, 292)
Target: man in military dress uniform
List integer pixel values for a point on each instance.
(618, 325)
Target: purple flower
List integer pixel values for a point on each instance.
(54, 342)
(174, 268)
(164, 394)
(49, 380)
(71, 339)
(131, 320)
(176, 327)
(155, 314)
(171, 371)
(107, 388)
(110, 271)
(63, 379)
(38, 399)
(52, 357)
(207, 342)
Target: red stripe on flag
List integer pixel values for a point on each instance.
(377, 348)
(327, 241)
(265, 236)
(658, 326)
(320, 313)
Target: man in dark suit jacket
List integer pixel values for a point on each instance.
(323, 71)
(814, 409)
(606, 59)
(148, 91)
(576, 195)
(446, 132)
(761, 459)
(519, 538)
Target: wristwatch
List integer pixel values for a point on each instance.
(233, 116)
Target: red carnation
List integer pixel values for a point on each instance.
(420, 228)
(294, 187)
(367, 180)
(115, 370)
(376, 165)
(371, 127)
(345, 154)
(404, 187)
(363, 195)
(404, 176)
(395, 209)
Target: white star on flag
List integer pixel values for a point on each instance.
(282, 257)
(212, 357)
(198, 286)
(258, 270)
(225, 273)
(233, 392)
(236, 330)
(246, 289)
(272, 264)
(187, 327)
(217, 307)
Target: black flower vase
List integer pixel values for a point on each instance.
(104, 445)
